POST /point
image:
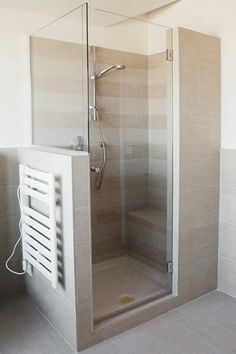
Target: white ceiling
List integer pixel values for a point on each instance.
(56, 8)
(27, 16)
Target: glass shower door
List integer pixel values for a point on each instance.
(130, 86)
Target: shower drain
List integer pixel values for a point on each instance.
(126, 299)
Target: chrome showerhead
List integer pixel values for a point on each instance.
(105, 71)
(120, 67)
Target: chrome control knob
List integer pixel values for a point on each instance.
(95, 169)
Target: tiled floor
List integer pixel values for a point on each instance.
(123, 278)
(23, 330)
(204, 326)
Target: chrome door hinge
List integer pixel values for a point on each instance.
(169, 54)
(170, 267)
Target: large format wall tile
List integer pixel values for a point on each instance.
(122, 99)
(132, 107)
(227, 240)
(157, 131)
(227, 275)
(199, 163)
(9, 219)
(198, 243)
(58, 90)
(196, 279)
(199, 207)
(227, 235)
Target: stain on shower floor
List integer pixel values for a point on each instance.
(121, 283)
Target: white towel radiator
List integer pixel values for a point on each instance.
(39, 238)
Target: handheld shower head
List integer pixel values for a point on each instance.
(120, 67)
(105, 71)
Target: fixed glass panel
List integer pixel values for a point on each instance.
(59, 82)
(131, 161)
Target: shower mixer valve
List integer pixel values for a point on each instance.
(77, 143)
(95, 169)
(93, 112)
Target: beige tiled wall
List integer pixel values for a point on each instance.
(157, 93)
(58, 91)
(146, 231)
(132, 107)
(227, 239)
(9, 218)
(122, 100)
(200, 116)
(145, 240)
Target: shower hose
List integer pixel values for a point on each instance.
(100, 170)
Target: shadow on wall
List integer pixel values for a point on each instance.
(9, 217)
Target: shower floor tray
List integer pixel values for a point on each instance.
(122, 283)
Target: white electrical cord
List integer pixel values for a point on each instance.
(19, 239)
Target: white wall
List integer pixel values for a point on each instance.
(227, 239)
(215, 18)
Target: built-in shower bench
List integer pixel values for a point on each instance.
(149, 217)
(146, 235)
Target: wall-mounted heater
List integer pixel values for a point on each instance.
(38, 222)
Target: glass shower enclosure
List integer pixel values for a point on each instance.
(102, 83)
(131, 161)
